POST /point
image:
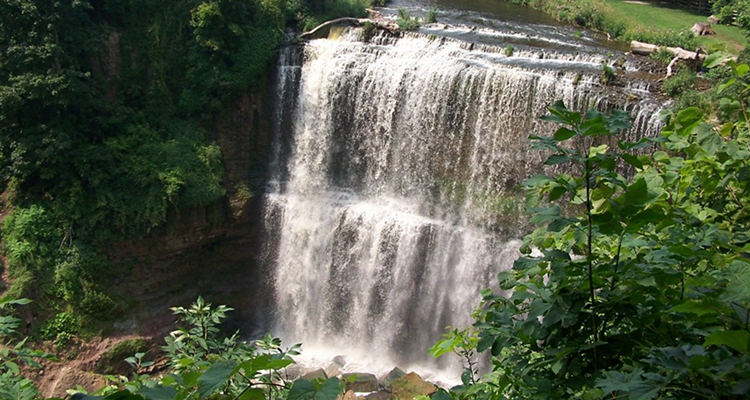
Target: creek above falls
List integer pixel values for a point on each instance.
(395, 165)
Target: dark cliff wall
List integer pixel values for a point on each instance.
(211, 251)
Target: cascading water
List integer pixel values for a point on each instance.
(392, 202)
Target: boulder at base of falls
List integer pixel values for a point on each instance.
(340, 360)
(382, 395)
(360, 382)
(349, 395)
(333, 369)
(292, 372)
(410, 386)
(387, 380)
(315, 374)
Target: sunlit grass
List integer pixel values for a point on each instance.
(645, 16)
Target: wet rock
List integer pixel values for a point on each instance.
(350, 395)
(410, 386)
(387, 380)
(360, 382)
(381, 395)
(292, 372)
(333, 369)
(340, 360)
(315, 374)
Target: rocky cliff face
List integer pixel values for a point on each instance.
(210, 251)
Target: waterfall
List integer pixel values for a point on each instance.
(393, 200)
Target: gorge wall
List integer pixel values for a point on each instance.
(209, 251)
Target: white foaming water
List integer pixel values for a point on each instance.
(393, 204)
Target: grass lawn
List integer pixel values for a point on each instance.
(645, 15)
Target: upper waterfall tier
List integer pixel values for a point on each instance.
(439, 121)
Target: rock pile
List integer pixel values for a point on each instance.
(396, 384)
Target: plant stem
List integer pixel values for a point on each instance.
(589, 244)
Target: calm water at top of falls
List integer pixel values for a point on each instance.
(393, 195)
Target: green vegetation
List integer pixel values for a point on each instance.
(406, 21)
(315, 12)
(643, 17)
(679, 83)
(635, 21)
(733, 12)
(201, 365)
(14, 354)
(608, 74)
(105, 114)
(431, 16)
(644, 293)
(119, 352)
(104, 109)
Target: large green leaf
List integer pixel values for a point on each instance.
(632, 383)
(708, 139)
(563, 134)
(158, 392)
(303, 389)
(737, 340)
(252, 394)
(559, 113)
(637, 193)
(445, 346)
(216, 376)
(695, 307)
(716, 58)
(557, 159)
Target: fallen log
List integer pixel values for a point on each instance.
(376, 19)
(323, 29)
(646, 49)
(680, 54)
(670, 67)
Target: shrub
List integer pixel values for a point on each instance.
(406, 21)
(662, 55)
(608, 74)
(679, 83)
(431, 16)
(108, 362)
(61, 329)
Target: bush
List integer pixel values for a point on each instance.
(679, 83)
(61, 329)
(431, 16)
(662, 55)
(406, 21)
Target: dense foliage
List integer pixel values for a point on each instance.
(103, 114)
(733, 12)
(642, 288)
(105, 109)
